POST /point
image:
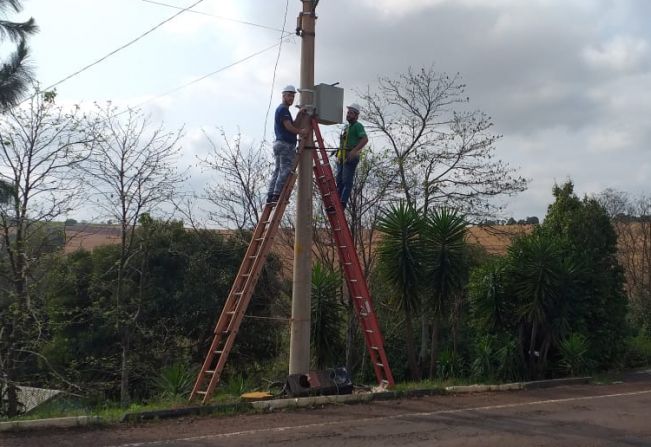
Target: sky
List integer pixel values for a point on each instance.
(567, 83)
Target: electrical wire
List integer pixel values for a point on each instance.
(128, 44)
(273, 79)
(243, 22)
(201, 78)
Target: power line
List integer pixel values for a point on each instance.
(243, 22)
(81, 70)
(273, 79)
(201, 78)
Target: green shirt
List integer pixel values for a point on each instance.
(351, 135)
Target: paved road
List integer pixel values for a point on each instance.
(582, 415)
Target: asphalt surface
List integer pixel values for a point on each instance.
(615, 414)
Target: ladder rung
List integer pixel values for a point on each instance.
(353, 280)
(359, 297)
(232, 312)
(203, 393)
(219, 352)
(337, 229)
(380, 365)
(375, 347)
(209, 371)
(259, 239)
(343, 246)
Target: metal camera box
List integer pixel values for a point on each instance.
(329, 104)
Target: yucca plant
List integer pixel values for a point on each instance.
(400, 257)
(573, 350)
(175, 380)
(539, 280)
(485, 357)
(450, 365)
(445, 267)
(508, 359)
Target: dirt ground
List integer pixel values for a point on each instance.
(580, 415)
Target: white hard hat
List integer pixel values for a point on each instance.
(289, 89)
(354, 107)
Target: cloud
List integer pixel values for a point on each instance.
(624, 54)
(567, 83)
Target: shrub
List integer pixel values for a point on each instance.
(638, 351)
(573, 352)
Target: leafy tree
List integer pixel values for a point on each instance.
(41, 147)
(132, 172)
(181, 278)
(15, 74)
(589, 242)
(401, 264)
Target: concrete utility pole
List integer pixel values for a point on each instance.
(299, 344)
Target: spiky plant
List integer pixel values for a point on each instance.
(15, 72)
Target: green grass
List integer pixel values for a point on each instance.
(112, 412)
(430, 384)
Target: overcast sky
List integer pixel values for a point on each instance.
(568, 83)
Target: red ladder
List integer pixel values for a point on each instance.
(251, 267)
(355, 280)
(242, 290)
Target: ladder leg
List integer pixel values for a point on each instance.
(355, 280)
(240, 294)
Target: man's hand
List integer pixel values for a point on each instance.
(304, 132)
(352, 155)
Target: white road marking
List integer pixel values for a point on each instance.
(379, 418)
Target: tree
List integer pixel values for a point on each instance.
(15, 75)
(541, 283)
(132, 172)
(443, 156)
(589, 242)
(401, 264)
(180, 279)
(41, 147)
(238, 195)
(446, 267)
(630, 216)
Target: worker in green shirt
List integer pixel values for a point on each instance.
(352, 141)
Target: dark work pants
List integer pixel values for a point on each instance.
(345, 177)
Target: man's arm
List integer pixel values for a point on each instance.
(354, 152)
(292, 125)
